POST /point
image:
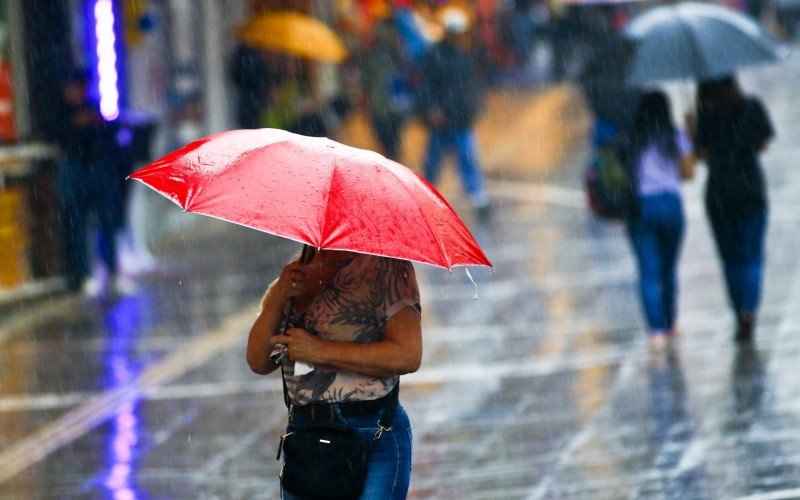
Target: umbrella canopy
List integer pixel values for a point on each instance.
(315, 191)
(294, 33)
(686, 40)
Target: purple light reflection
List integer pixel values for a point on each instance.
(124, 324)
(125, 437)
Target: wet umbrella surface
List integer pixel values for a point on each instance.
(318, 192)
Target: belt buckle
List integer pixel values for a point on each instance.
(321, 411)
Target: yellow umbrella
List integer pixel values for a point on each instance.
(294, 33)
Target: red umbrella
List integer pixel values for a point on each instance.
(315, 191)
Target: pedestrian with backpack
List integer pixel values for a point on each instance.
(658, 155)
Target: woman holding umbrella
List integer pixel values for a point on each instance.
(731, 131)
(357, 321)
(353, 322)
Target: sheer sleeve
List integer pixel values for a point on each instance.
(395, 289)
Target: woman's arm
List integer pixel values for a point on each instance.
(691, 124)
(273, 309)
(398, 353)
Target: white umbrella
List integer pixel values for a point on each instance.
(687, 40)
(697, 40)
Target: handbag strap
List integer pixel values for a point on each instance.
(304, 257)
(387, 419)
(286, 400)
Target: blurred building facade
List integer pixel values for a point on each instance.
(144, 57)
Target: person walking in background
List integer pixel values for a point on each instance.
(251, 76)
(88, 187)
(450, 99)
(294, 103)
(731, 130)
(383, 77)
(659, 155)
(411, 28)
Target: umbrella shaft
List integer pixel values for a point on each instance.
(290, 311)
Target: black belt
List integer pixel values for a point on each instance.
(348, 409)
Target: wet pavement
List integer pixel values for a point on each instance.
(542, 388)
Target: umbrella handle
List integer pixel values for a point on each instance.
(289, 311)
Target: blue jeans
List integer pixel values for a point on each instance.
(389, 470)
(88, 189)
(463, 141)
(656, 235)
(740, 243)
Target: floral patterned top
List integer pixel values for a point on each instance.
(361, 296)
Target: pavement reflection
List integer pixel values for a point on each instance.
(124, 323)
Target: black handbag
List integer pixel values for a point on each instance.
(328, 460)
(324, 460)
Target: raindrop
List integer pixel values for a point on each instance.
(466, 270)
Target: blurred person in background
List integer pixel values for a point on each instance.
(413, 28)
(518, 28)
(135, 139)
(293, 104)
(659, 156)
(450, 98)
(251, 76)
(561, 36)
(88, 187)
(384, 79)
(787, 15)
(730, 133)
(153, 215)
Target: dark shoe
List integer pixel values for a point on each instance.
(744, 329)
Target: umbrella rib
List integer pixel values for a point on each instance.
(698, 61)
(439, 244)
(324, 217)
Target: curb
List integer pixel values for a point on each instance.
(14, 299)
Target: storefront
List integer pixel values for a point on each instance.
(157, 64)
(28, 245)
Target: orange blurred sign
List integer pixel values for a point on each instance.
(14, 242)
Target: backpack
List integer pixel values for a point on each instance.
(609, 184)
